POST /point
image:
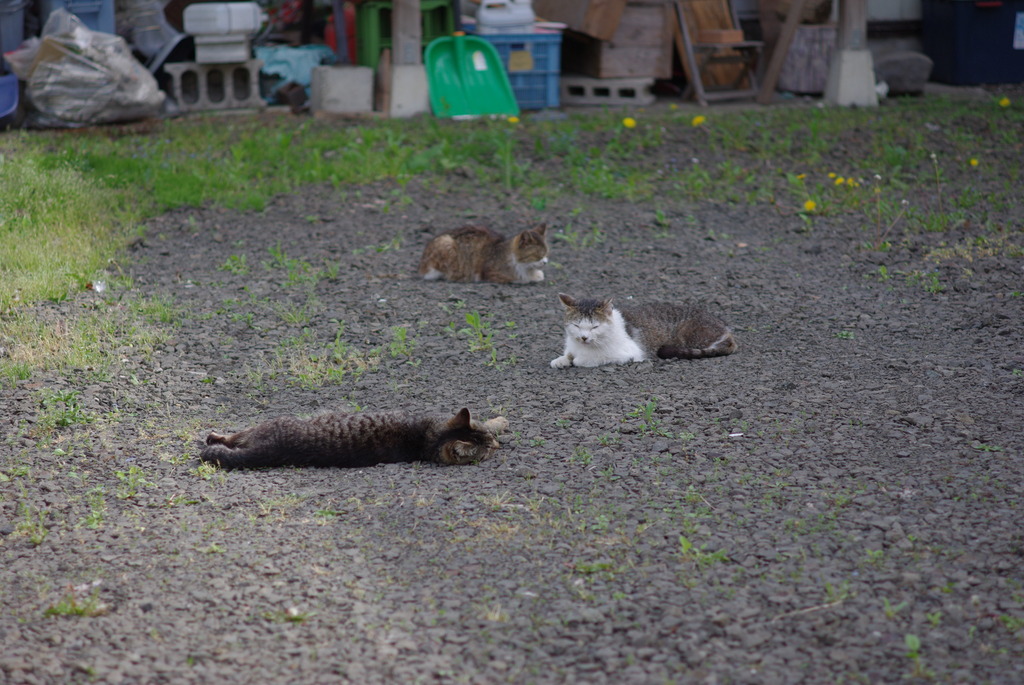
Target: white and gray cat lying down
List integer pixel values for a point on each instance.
(597, 333)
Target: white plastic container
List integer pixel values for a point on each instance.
(230, 49)
(223, 18)
(505, 16)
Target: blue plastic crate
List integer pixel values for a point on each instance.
(534, 64)
(97, 15)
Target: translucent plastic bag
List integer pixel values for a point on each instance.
(81, 77)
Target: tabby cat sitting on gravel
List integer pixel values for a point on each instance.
(476, 253)
(354, 440)
(597, 333)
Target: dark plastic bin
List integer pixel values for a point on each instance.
(974, 41)
(12, 28)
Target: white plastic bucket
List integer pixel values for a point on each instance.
(505, 16)
(222, 18)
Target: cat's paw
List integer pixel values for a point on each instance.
(215, 438)
(497, 425)
(536, 276)
(563, 362)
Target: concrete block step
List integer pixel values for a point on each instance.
(584, 90)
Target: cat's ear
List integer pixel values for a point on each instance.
(460, 420)
(540, 229)
(566, 300)
(606, 306)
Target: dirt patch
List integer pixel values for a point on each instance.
(839, 500)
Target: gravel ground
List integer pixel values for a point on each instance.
(839, 501)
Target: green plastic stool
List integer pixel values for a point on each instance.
(373, 26)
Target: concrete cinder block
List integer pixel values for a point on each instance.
(409, 95)
(200, 87)
(342, 89)
(584, 90)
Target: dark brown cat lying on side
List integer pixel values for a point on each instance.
(476, 253)
(354, 440)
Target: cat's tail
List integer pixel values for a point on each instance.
(721, 347)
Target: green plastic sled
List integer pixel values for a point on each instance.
(466, 77)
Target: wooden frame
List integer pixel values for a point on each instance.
(710, 62)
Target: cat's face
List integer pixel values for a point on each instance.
(465, 441)
(586, 321)
(531, 247)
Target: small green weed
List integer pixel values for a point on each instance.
(72, 604)
(62, 408)
(929, 280)
(646, 423)
(401, 344)
(581, 455)
(479, 332)
(33, 523)
(835, 594)
(96, 498)
(913, 644)
(236, 264)
(689, 553)
(891, 610)
(130, 481)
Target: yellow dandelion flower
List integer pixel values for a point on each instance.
(810, 206)
(513, 120)
(852, 182)
(840, 180)
(974, 161)
(801, 176)
(673, 106)
(629, 122)
(698, 120)
(831, 174)
(1004, 102)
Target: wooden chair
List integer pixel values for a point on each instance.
(719, 63)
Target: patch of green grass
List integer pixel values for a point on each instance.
(236, 264)
(401, 344)
(36, 341)
(32, 523)
(62, 408)
(645, 421)
(96, 498)
(70, 202)
(692, 554)
(130, 481)
(59, 227)
(71, 604)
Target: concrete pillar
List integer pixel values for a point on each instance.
(851, 74)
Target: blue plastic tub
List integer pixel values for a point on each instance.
(8, 95)
(98, 15)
